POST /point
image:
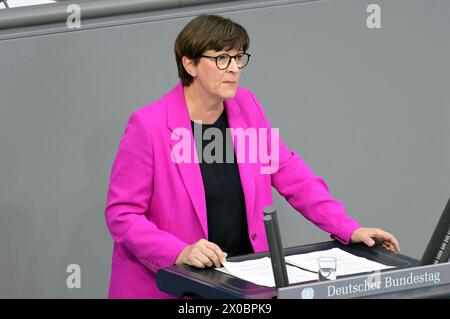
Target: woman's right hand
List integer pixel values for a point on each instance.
(201, 254)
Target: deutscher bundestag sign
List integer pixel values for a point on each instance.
(370, 284)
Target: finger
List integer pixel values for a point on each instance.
(206, 255)
(211, 245)
(395, 247)
(212, 256)
(396, 244)
(205, 260)
(216, 249)
(198, 254)
(385, 243)
(368, 240)
(389, 246)
(392, 248)
(384, 235)
(194, 261)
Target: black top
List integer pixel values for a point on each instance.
(225, 202)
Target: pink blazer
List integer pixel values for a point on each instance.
(156, 207)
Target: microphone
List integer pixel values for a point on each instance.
(275, 247)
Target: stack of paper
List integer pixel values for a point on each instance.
(347, 264)
(23, 3)
(259, 271)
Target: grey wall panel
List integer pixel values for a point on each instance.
(368, 110)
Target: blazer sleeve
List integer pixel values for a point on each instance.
(129, 194)
(307, 193)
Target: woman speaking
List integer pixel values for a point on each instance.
(195, 169)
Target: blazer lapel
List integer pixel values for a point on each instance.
(245, 168)
(178, 117)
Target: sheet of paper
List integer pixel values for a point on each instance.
(347, 263)
(259, 271)
(23, 3)
(222, 269)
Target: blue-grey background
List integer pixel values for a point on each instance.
(368, 110)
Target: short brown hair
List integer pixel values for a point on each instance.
(207, 32)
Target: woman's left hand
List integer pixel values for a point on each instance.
(375, 236)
